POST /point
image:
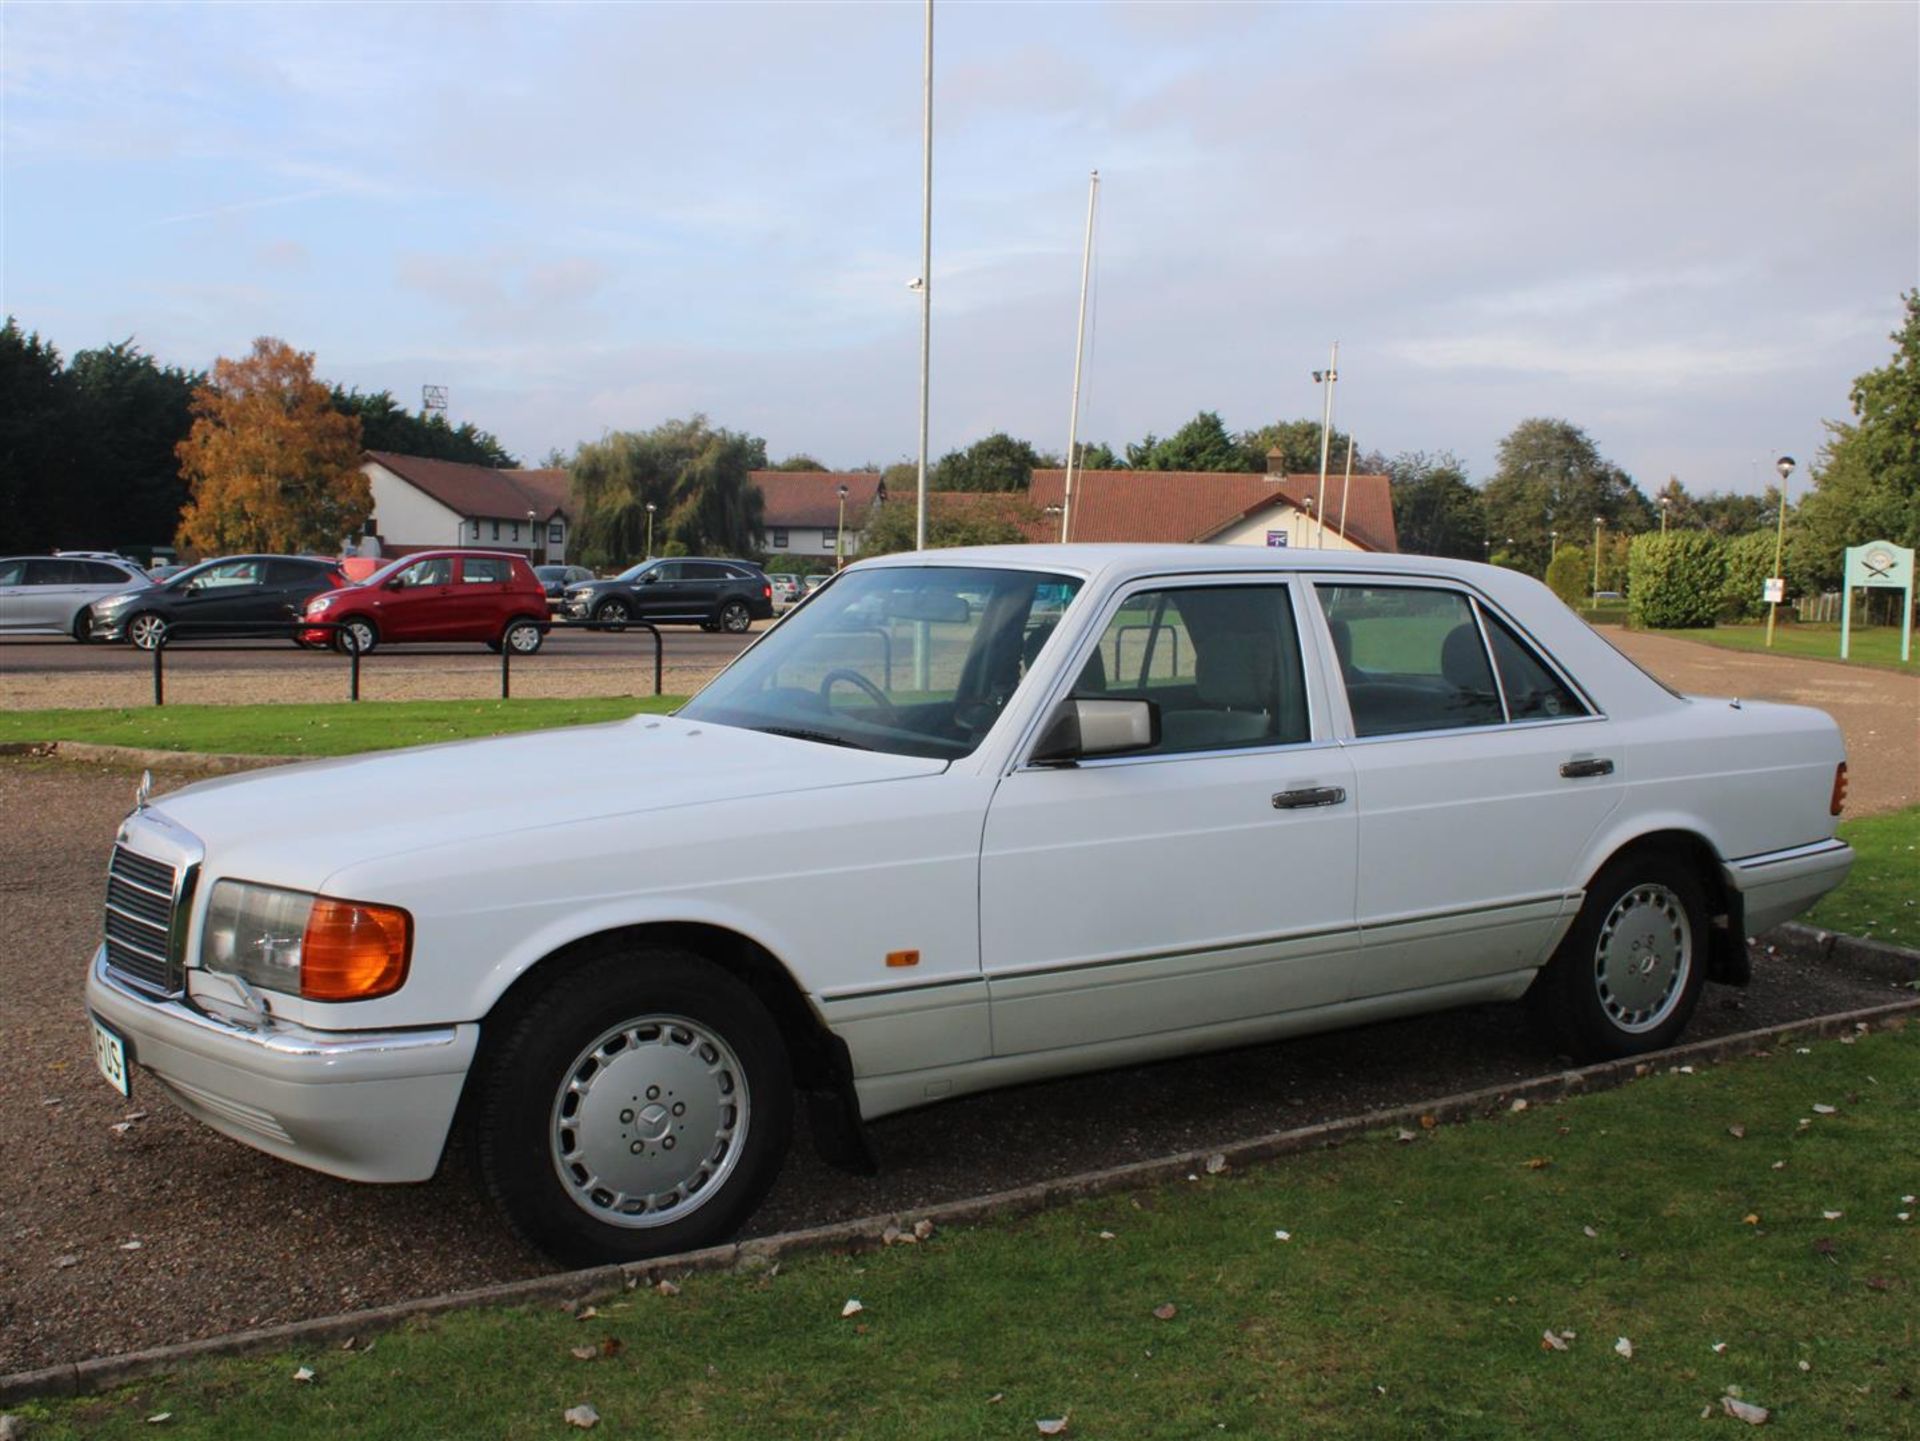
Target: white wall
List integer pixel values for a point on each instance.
(1301, 532)
(808, 542)
(404, 515)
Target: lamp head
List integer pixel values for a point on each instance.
(1785, 466)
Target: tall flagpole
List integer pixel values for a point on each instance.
(1326, 378)
(1079, 350)
(1345, 487)
(926, 285)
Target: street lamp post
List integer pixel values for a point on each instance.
(1664, 503)
(649, 530)
(1326, 380)
(840, 533)
(531, 555)
(1776, 582)
(1598, 522)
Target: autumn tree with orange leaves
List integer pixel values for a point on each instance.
(272, 465)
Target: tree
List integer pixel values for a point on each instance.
(998, 462)
(1201, 444)
(1570, 574)
(797, 462)
(132, 414)
(1867, 478)
(1435, 510)
(1551, 477)
(697, 478)
(890, 527)
(271, 464)
(37, 451)
(385, 424)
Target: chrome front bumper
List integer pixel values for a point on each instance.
(363, 1105)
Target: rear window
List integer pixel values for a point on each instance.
(485, 570)
(1411, 657)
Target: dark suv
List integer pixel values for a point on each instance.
(715, 594)
(235, 595)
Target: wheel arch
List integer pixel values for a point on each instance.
(1727, 958)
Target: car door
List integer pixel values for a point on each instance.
(420, 601)
(481, 598)
(13, 584)
(54, 589)
(1480, 774)
(219, 599)
(1203, 884)
(660, 593)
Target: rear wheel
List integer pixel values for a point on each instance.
(1628, 975)
(734, 617)
(147, 630)
(641, 1106)
(522, 636)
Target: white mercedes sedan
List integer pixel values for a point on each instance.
(964, 819)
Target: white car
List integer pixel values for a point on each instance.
(1135, 802)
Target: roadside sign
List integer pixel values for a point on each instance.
(1276, 537)
(1776, 591)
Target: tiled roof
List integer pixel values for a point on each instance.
(811, 498)
(1186, 505)
(479, 490)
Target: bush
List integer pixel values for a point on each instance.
(1570, 575)
(1675, 580)
(1749, 563)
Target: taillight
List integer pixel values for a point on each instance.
(1839, 789)
(766, 591)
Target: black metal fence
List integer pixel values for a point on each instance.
(178, 636)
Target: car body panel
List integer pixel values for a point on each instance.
(49, 594)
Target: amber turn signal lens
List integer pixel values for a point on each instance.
(354, 951)
(1839, 789)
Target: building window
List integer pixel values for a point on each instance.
(476, 530)
(829, 540)
(372, 527)
(780, 540)
(555, 535)
(496, 530)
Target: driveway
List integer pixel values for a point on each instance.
(127, 1225)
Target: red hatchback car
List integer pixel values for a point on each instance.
(436, 595)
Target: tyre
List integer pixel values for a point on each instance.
(1627, 976)
(734, 617)
(356, 633)
(146, 630)
(522, 636)
(82, 629)
(612, 614)
(641, 1105)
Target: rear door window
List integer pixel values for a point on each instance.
(484, 570)
(1411, 657)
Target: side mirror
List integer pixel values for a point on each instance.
(395, 584)
(1083, 729)
(648, 577)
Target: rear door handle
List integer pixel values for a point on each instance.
(1308, 797)
(1581, 769)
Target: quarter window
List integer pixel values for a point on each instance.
(483, 571)
(1533, 691)
(1222, 663)
(1411, 657)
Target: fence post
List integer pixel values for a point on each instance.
(506, 670)
(656, 658)
(353, 654)
(159, 678)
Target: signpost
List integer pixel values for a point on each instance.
(1879, 563)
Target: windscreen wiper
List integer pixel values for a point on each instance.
(824, 737)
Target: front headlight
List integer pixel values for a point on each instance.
(305, 945)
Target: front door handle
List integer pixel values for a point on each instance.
(1308, 797)
(1581, 769)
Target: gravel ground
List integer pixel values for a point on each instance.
(114, 1240)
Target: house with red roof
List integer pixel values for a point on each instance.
(803, 511)
(1219, 508)
(423, 504)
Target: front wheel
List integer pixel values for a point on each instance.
(641, 1106)
(612, 614)
(82, 629)
(522, 636)
(1628, 975)
(147, 630)
(356, 634)
(734, 617)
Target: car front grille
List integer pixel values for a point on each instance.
(141, 897)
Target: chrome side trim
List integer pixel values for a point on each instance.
(282, 1040)
(1811, 851)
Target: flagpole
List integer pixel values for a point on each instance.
(1079, 351)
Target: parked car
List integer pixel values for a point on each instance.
(714, 594)
(810, 583)
(1222, 796)
(555, 579)
(488, 596)
(236, 595)
(54, 594)
(786, 587)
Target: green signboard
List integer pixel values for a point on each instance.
(1879, 563)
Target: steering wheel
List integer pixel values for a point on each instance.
(888, 716)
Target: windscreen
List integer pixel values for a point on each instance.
(917, 661)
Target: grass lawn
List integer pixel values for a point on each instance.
(1408, 1299)
(1878, 647)
(316, 730)
(1881, 898)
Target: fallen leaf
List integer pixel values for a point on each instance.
(1737, 1131)
(1055, 1427)
(1551, 1342)
(1517, 1106)
(583, 1416)
(585, 1353)
(1903, 1216)
(667, 1288)
(1283, 1235)
(1403, 1136)
(1779, 1165)
(1823, 1110)
(1591, 1233)
(62, 1263)
(891, 1236)
(611, 1346)
(1624, 1347)
(585, 1313)
(1908, 1200)
(923, 1228)
(852, 1308)
(349, 1343)
(304, 1374)
(1106, 1236)
(131, 1245)
(1538, 1163)
(1752, 1218)
(1165, 1311)
(1831, 1215)
(1719, 1348)
(1743, 1411)
(1216, 1163)
(1879, 1283)
(159, 1418)
(12, 1428)
(1427, 1123)
(996, 1398)
(1806, 1365)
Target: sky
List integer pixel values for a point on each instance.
(1684, 228)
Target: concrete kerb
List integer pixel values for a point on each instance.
(1872, 958)
(870, 1232)
(136, 757)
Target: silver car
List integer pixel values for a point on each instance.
(50, 594)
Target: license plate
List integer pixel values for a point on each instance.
(110, 1054)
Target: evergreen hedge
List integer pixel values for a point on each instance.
(1675, 581)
